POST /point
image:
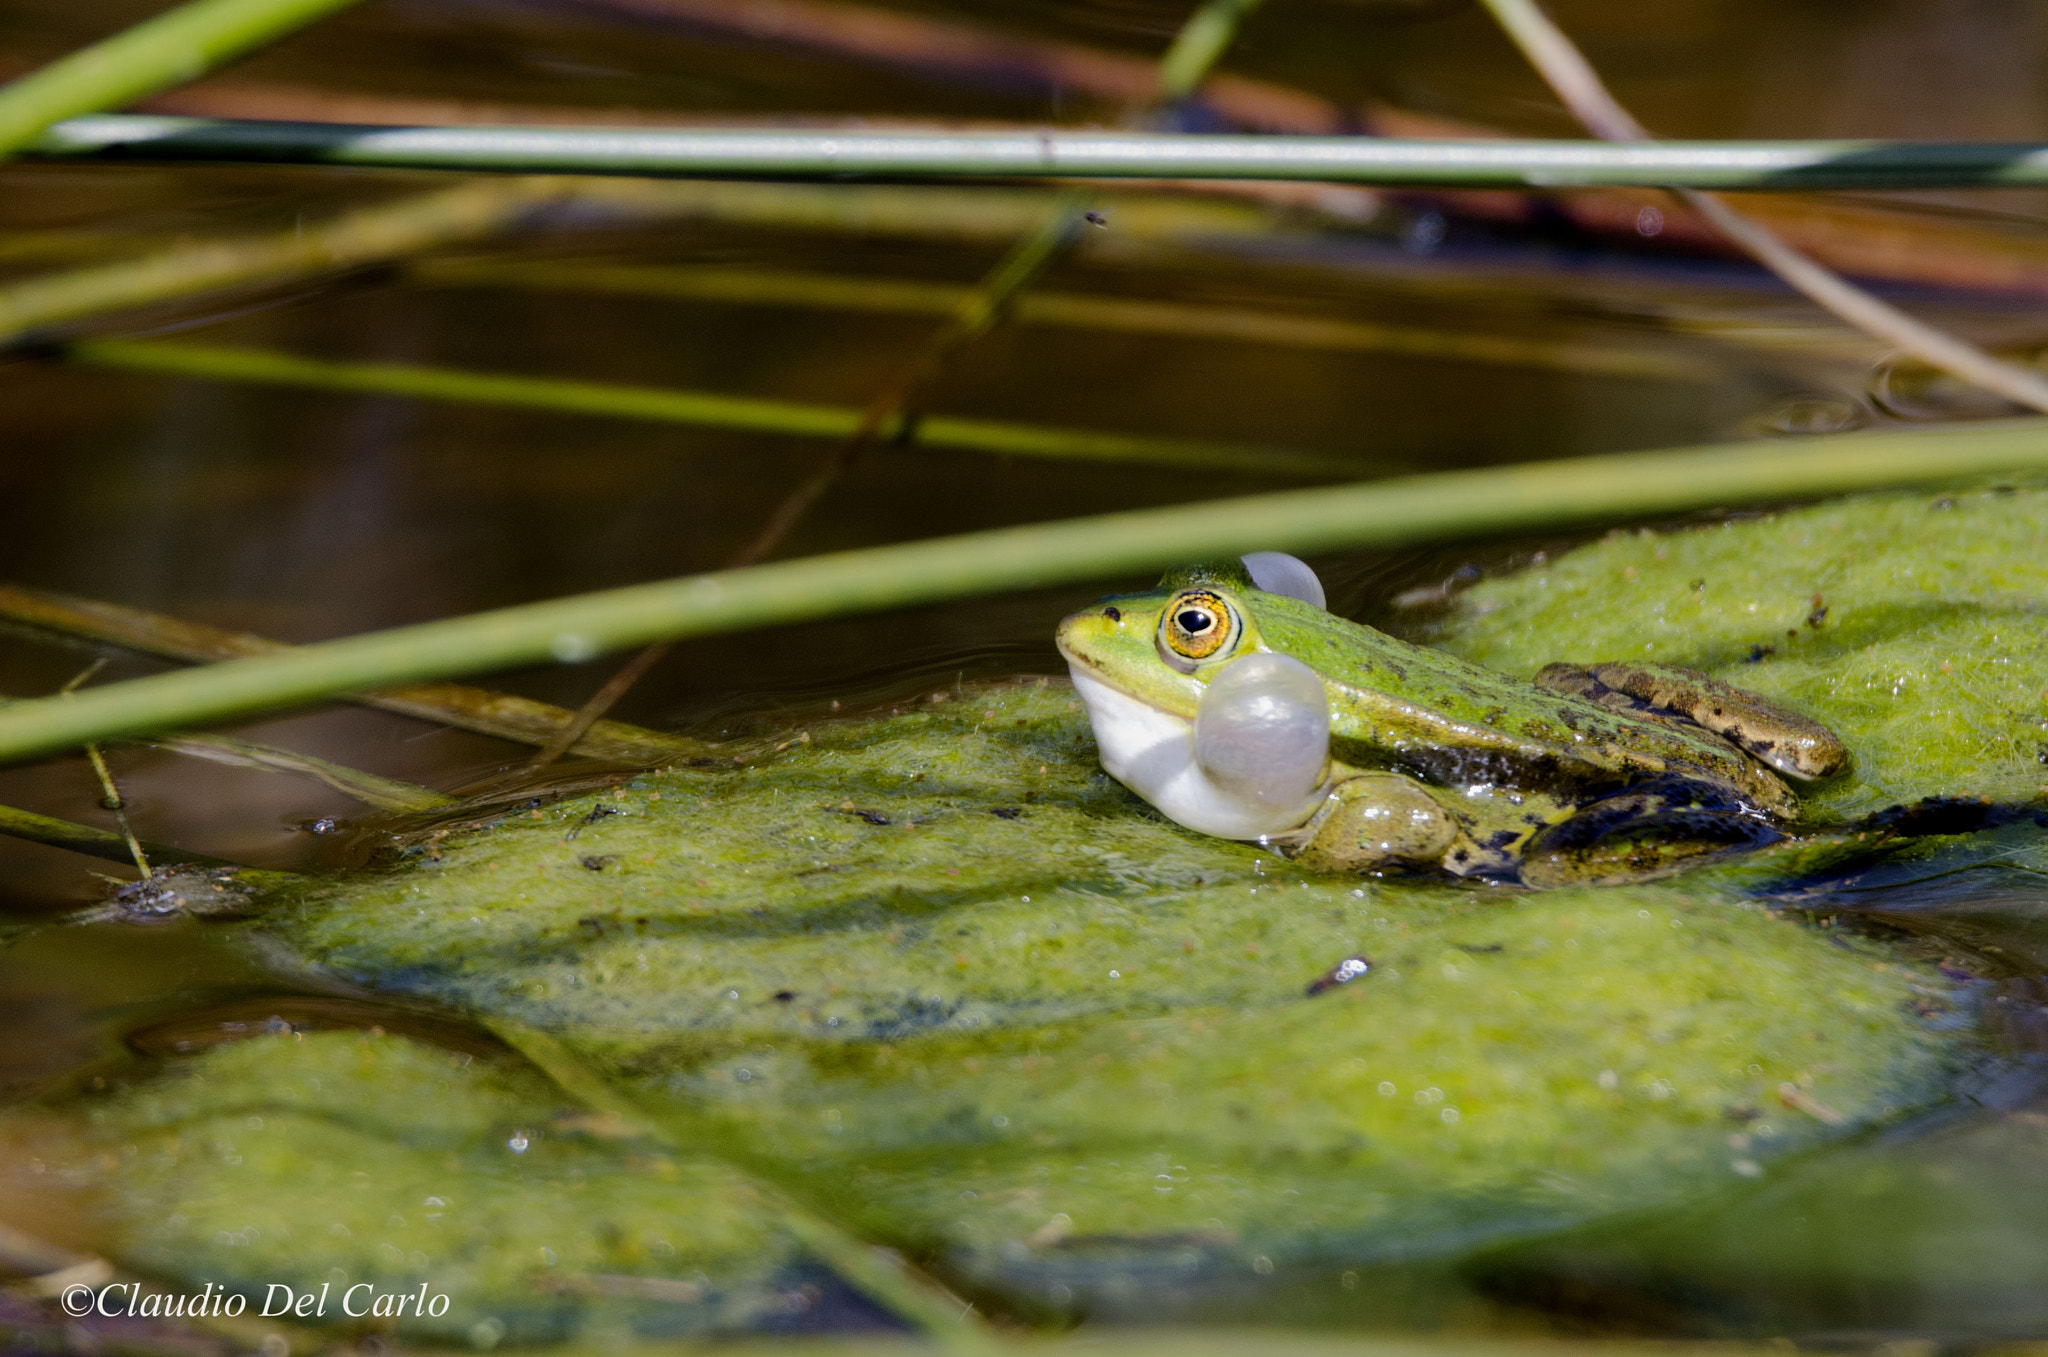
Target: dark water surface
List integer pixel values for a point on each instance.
(303, 516)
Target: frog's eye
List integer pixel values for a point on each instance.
(1198, 624)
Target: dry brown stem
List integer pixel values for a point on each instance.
(1572, 78)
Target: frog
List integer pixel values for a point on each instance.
(1235, 703)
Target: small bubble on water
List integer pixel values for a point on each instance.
(518, 1143)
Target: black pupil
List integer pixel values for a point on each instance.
(1193, 621)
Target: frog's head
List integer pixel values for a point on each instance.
(1142, 664)
(1162, 646)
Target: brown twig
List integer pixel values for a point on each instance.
(1572, 78)
(970, 53)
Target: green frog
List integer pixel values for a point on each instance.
(1232, 701)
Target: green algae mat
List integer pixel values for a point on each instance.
(929, 980)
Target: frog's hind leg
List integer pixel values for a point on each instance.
(1641, 831)
(1788, 741)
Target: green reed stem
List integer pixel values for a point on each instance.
(397, 230)
(1127, 315)
(1532, 496)
(171, 49)
(1198, 46)
(365, 236)
(500, 715)
(804, 153)
(702, 409)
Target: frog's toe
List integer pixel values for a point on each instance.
(1262, 731)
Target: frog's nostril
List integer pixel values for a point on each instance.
(1112, 614)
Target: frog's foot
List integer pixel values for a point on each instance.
(1642, 831)
(1795, 745)
(1377, 821)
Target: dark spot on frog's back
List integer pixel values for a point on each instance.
(1113, 614)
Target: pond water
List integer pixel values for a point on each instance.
(1479, 334)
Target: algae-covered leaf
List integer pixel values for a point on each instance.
(376, 1174)
(1914, 624)
(935, 975)
(946, 975)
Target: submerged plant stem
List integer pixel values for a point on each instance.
(1461, 504)
(367, 235)
(703, 409)
(98, 843)
(1125, 315)
(1558, 60)
(384, 793)
(879, 1274)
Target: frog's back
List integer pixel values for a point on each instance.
(1394, 704)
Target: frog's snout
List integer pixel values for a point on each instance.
(1082, 635)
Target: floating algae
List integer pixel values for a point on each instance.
(936, 976)
(1915, 624)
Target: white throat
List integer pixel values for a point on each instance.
(1153, 753)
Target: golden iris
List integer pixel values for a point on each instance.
(1197, 624)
